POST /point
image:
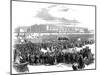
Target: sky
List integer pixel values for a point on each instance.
(27, 14)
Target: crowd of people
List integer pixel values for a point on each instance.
(31, 53)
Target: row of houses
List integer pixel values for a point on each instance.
(51, 29)
(40, 32)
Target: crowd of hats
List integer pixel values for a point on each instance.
(31, 53)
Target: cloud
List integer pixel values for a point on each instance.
(45, 15)
(67, 21)
(66, 9)
(62, 9)
(52, 6)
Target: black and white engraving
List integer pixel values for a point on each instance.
(50, 37)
